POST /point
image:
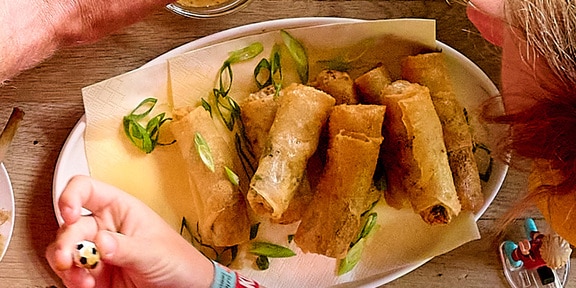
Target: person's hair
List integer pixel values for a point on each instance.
(547, 129)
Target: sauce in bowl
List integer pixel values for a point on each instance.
(206, 8)
(200, 3)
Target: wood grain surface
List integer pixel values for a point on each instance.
(50, 94)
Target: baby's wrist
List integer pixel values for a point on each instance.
(226, 278)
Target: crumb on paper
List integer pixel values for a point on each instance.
(4, 216)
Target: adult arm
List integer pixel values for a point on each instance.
(32, 30)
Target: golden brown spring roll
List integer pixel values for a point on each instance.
(292, 140)
(370, 84)
(338, 84)
(431, 71)
(363, 119)
(220, 206)
(258, 112)
(333, 218)
(417, 151)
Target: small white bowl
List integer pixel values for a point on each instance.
(207, 10)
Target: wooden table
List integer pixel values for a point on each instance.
(50, 94)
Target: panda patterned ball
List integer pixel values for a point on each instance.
(86, 255)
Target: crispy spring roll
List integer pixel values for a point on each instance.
(333, 218)
(365, 119)
(292, 140)
(220, 206)
(258, 112)
(431, 71)
(338, 84)
(370, 84)
(417, 153)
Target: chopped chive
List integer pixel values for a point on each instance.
(204, 151)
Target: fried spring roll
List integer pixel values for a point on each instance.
(417, 153)
(338, 84)
(370, 84)
(258, 112)
(292, 140)
(220, 206)
(431, 71)
(333, 218)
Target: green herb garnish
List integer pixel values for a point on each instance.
(234, 179)
(262, 262)
(145, 138)
(271, 250)
(338, 64)
(204, 151)
(477, 148)
(357, 246)
(352, 258)
(227, 108)
(206, 106)
(222, 255)
(368, 225)
(254, 230)
(298, 53)
(270, 71)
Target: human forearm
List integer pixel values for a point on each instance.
(25, 38)
(28, 38)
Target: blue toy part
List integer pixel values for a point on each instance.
(530, 226)
(509, 247)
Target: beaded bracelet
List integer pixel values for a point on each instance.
(226, 278)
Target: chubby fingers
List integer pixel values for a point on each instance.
(85, 192)
(71, 275)
(60, 252)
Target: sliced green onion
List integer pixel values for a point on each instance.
(204, 151)
(298, 53)
(262, 71)
(245, 53)
(206, 106)
(354, 255)
(369, 224)
(254, 230)
(271, 250)
(144, 138)
(269, 71)
(338, 64)
(262, 262)
(355, 252)
(234, 179)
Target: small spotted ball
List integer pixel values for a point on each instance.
(86, 255)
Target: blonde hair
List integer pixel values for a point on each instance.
(548, 27)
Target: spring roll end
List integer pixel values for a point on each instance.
(437, 214)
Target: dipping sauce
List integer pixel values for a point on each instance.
(206, 8)
(201, 3)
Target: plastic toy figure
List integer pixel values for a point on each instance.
(536, 261)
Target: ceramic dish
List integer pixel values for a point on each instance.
(6, 209)
(73, 161)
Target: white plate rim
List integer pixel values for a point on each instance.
(75, 139)
(6, 191)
